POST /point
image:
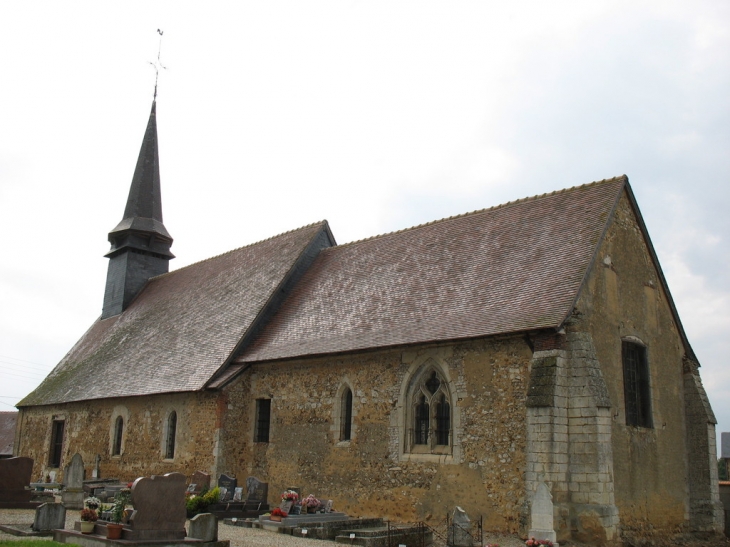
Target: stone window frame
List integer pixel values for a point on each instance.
(123, 413)
(338, 414)
(55, 448)
(418, 373)
(261, 427)
(636, 376)
(169, 441)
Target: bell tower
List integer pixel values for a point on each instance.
(140, 243)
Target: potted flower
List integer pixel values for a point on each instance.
(277, 514)
(532, 542)
(92, 503)
(311, 503)
(290, 495)
(114, 528)
(88, 520)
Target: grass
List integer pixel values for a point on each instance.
(31, 543)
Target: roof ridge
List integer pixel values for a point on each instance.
(478, 211)
(320, 222)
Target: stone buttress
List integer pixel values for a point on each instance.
(569, 437)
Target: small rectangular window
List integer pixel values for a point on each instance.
(56, 448)
(263, 420)
(637, 393)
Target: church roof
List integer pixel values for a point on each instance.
(182, 327)
(511, 268)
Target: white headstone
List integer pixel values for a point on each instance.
(460, 529)
(725, 445)
(73, 480)
(541, 515)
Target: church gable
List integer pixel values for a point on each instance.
(182, 327)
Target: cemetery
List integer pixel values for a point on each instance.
(156, 509)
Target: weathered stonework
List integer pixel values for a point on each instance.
(373, 474)
(88, 427)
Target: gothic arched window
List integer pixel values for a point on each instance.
(430, 415)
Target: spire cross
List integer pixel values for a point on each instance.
(157, 65)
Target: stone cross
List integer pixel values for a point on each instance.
(541, 515)
(72, 495)
(97, 470)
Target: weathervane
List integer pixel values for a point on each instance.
(158, 65)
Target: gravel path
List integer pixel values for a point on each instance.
(238, 535)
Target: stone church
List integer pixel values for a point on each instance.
(461, 362)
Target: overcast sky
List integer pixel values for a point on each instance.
(375, 116)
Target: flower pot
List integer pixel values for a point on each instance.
(311, 509)
(114, 531)
(87, 526)
(275, 518)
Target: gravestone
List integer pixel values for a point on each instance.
(725, 445)
(460, 529)
(229, 483)
(541, 515)
(257, 491)
(203, 527)
(72, 495)
(49, 516)
(14, 477)
(201, 481)
(159, 508)
(328, 506)
(96, 474)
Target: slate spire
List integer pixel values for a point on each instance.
(140, 243)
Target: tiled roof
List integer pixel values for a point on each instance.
(181, 328)
(512, 268)
(7, 432)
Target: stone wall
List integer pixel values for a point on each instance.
(624, 300)
(89, 429)
(375, 473)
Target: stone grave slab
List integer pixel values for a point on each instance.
(72, 494)
(49, 516)
(229, 483)
(14, 478)
(257, 491)
(203, 527)
(201, 481)
(541, 515)
(159, 508)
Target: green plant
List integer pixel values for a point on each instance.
(120, 504)
(198, 504)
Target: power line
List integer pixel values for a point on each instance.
(23, 360)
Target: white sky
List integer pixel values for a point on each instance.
(375, 116)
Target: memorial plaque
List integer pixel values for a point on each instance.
(222, 493)
(286, 506)
(257, 491)
(238, 493)
(229, 483)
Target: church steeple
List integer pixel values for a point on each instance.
(140, 243)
